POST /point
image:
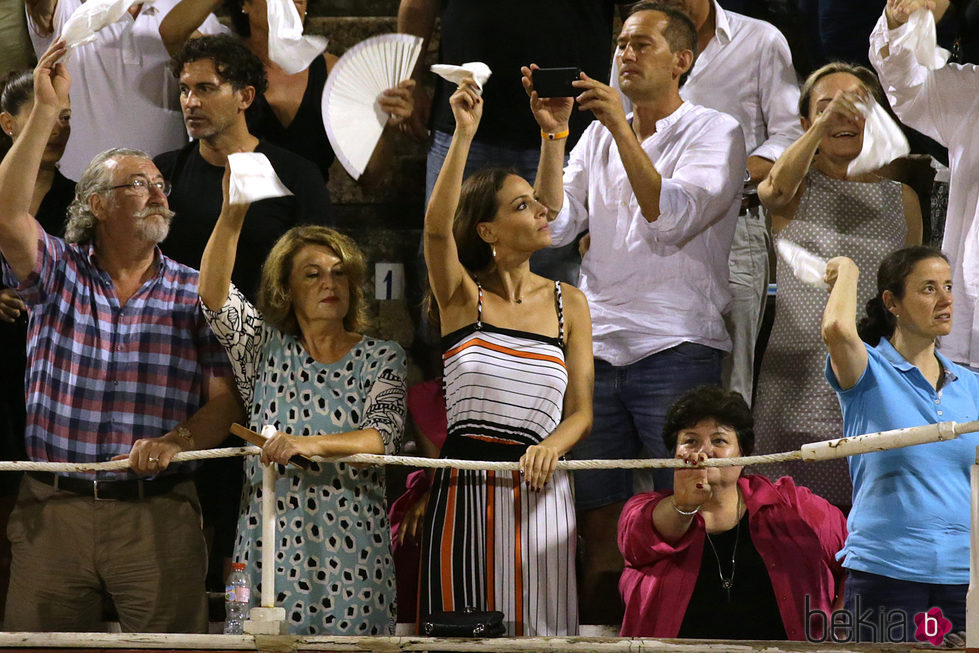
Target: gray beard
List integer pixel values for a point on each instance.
(154, 232)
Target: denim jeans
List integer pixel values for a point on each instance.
(554, 263)
(630, 408)
(865, 592)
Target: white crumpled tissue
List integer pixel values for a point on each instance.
(883, 140)
(253, 179)
(91, 16)
(479, 71)
(919, 37)
(288, 48)
(806, 266)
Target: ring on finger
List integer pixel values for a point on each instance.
(153, 460)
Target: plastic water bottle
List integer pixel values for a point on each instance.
(236, 599)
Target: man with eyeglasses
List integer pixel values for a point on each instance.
(121, 366)
(219, 78)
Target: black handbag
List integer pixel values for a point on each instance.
(465, 623)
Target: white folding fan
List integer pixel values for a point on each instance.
(352, 115)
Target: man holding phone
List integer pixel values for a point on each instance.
(658, 191)
(505, 34)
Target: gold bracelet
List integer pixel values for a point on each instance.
(555, 136)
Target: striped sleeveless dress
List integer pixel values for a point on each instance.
(491, 543)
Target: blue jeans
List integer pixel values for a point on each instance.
(630, 408)
(554, 263)
(865, 592)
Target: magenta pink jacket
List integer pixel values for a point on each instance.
(796, 533)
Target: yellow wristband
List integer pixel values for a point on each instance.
(555, 136)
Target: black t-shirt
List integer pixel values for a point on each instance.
(196, 199)
(507, 34)
(305, 135)
(752, 611)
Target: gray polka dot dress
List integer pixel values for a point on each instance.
(794, 403)
(334, 573)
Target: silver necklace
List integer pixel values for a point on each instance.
(728, 583)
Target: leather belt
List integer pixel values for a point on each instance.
(749, 201)
(122, 490)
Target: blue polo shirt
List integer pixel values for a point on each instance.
(910, 516)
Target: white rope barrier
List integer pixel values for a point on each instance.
(815, 451)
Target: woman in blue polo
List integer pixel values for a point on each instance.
(908, 542)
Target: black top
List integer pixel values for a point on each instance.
(13, 343)
(305, 135)
(196, 199)
(507, 34)
(752, 612)
(54, 207)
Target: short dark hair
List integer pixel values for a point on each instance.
(233, 61)
(680, 32)
(710, 402)
(891, 275)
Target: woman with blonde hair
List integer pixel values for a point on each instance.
(302, 365)
(816, 203)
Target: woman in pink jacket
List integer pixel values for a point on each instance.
(727, 555)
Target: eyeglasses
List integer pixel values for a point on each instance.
(141, 186)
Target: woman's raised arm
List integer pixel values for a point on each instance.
(847, 354)
(445, 273)
(219, 255)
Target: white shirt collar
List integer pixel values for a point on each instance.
(665, 123)
(722, 27)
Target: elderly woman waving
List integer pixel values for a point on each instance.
(302, 365)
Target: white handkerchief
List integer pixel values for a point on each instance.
(806, 266)
(90, 17)
(455, 74)
(292, 51)
(253, 179)
(883, 140)
(919, 37)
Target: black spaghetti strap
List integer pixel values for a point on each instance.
(560, 312)
(479, 305)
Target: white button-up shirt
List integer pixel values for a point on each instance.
(944, 104)
(654, 285)
(122, 93)
(746, 72)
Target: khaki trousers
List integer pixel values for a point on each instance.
(148, 555)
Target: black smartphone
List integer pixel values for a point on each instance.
(556, 82)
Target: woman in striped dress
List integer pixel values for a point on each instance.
(518, 387)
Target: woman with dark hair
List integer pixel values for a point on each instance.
(53, 193)
(817, 205)
(726, 555)
(289, 112)
(302, 365)
(908, 547)
(518, 387)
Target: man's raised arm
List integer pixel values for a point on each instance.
(18, 170)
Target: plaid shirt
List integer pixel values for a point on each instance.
(100, 375)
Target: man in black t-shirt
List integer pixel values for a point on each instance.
(505, 35)
(219, 78)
